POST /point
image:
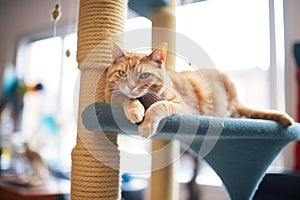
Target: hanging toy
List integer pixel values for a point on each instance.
(68, 53)
(72, 15)
(56, 13)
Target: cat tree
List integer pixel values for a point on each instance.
(241, 156)
(243, 152)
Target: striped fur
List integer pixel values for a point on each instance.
(150, 92)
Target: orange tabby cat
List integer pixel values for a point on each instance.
(150, 92)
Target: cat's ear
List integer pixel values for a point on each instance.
(159, 54)
(116, 51)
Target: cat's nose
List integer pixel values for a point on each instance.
(131, 86)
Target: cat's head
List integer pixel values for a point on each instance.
(135, 74)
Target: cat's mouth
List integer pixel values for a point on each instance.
(131, 93)
(134, 95)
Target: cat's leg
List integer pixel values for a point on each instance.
(155, 113)
(134, 110)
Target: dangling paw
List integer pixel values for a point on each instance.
(148, 129)
(135, 115)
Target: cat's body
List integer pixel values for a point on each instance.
(150, 92)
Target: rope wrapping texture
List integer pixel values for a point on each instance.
(95, 160)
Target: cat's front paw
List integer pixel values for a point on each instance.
(135, 114)
(146, 130)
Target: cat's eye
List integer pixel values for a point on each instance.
(144, 75)
(122, 73)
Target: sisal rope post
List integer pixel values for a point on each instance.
(163, 183)
(95, 158)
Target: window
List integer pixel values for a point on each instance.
(236, 36)
(48, 117)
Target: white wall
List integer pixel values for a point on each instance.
(21, 18)
(292, 35)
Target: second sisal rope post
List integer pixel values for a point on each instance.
(163, 183)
